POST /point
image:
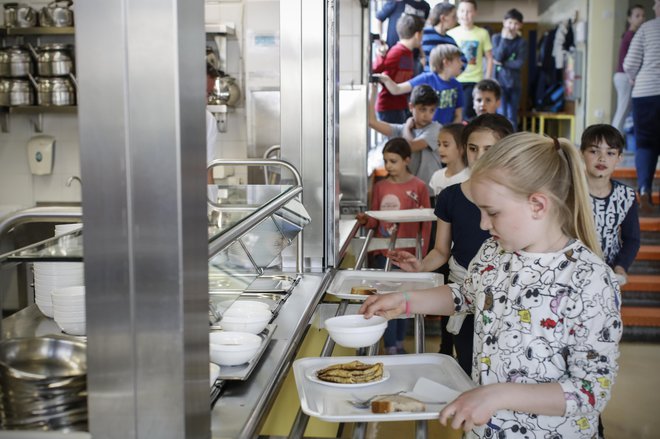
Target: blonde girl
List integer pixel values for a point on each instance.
(547, 308)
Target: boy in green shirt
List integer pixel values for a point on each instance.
(475, 44)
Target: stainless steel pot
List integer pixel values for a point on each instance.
(56, 91)
(16, 62)
(4, 63)
(56, 14)
(225, 91)
(52, 59)
(16, 92)
(19, 15)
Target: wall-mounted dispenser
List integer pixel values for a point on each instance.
(40, 154)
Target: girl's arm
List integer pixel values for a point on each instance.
(434, 301)
(441, 251)
(393, 87)
(477, 406)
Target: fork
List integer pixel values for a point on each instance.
(366, 403)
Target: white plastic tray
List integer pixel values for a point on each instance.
(330, 403)
(403, 216)
(383, 281)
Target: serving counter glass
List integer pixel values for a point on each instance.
(248, 231)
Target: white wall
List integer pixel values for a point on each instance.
(350, 42)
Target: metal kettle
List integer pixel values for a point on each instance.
(19, 15)
(57, 13)
(225, 91)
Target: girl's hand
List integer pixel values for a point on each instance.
(472, 408)
(386, 305)
(362, 218)
(405, 261)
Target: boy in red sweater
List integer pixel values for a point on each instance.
(398, 64)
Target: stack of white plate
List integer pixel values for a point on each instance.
(69, 309)
(61, 229)
(52, 275)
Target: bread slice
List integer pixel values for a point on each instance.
(363, 291)
(396, 403)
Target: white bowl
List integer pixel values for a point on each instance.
(248, 312)
(247, 305)
(45, 309)
(57, 267)
(354, 331)
(228, 348)
(245, 323)
(73, 328)
(69, 293)
(60, 314)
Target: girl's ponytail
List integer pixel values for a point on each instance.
(578, 202)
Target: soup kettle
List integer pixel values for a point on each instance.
(15, 61)
(57, 13)
(56, 91)
(225, 91)
(15, 92)
(52, 59)
(19, 15)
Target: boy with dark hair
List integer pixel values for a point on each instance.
(475, 44)
(398, 63)
(509, 51)
(614, 204)
(420, 130)
(486, 97)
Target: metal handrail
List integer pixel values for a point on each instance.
(38, 215)
(267, 154)
(273, 205)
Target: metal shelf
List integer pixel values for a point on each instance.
(37, 31)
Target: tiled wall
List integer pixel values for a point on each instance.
(17, 185)
(350, 42)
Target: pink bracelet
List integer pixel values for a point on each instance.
(407, 298)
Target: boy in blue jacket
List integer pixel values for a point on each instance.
(509, 51)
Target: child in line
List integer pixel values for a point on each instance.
(475, 44)
(445, 65)
(547, 307)
(509, 52)
(614, 204)
(458, 235)
(420, 130)
(400, 190)
(453, 155)
(441, 19)
(398, 64)
(486, 97)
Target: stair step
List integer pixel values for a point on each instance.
(643, 282)
(648, 253)
(649, 224)
(640, 316)
(630, 173)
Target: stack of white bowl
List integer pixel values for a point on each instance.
(49, 276)
(246, 316)
(69, 309)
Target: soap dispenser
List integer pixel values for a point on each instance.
(40, 154)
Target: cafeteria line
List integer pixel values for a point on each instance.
(163, 310)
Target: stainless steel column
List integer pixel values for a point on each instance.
(308, 103)
(140, 66)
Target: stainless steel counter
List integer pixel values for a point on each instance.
(243, 406)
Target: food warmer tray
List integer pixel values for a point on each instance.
(242, 372)
(383, 281)
(329, 403)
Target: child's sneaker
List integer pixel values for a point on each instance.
(400, 349)
(391, 350)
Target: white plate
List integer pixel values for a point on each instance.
(403, 216)
(384, 282)
(311, 375)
